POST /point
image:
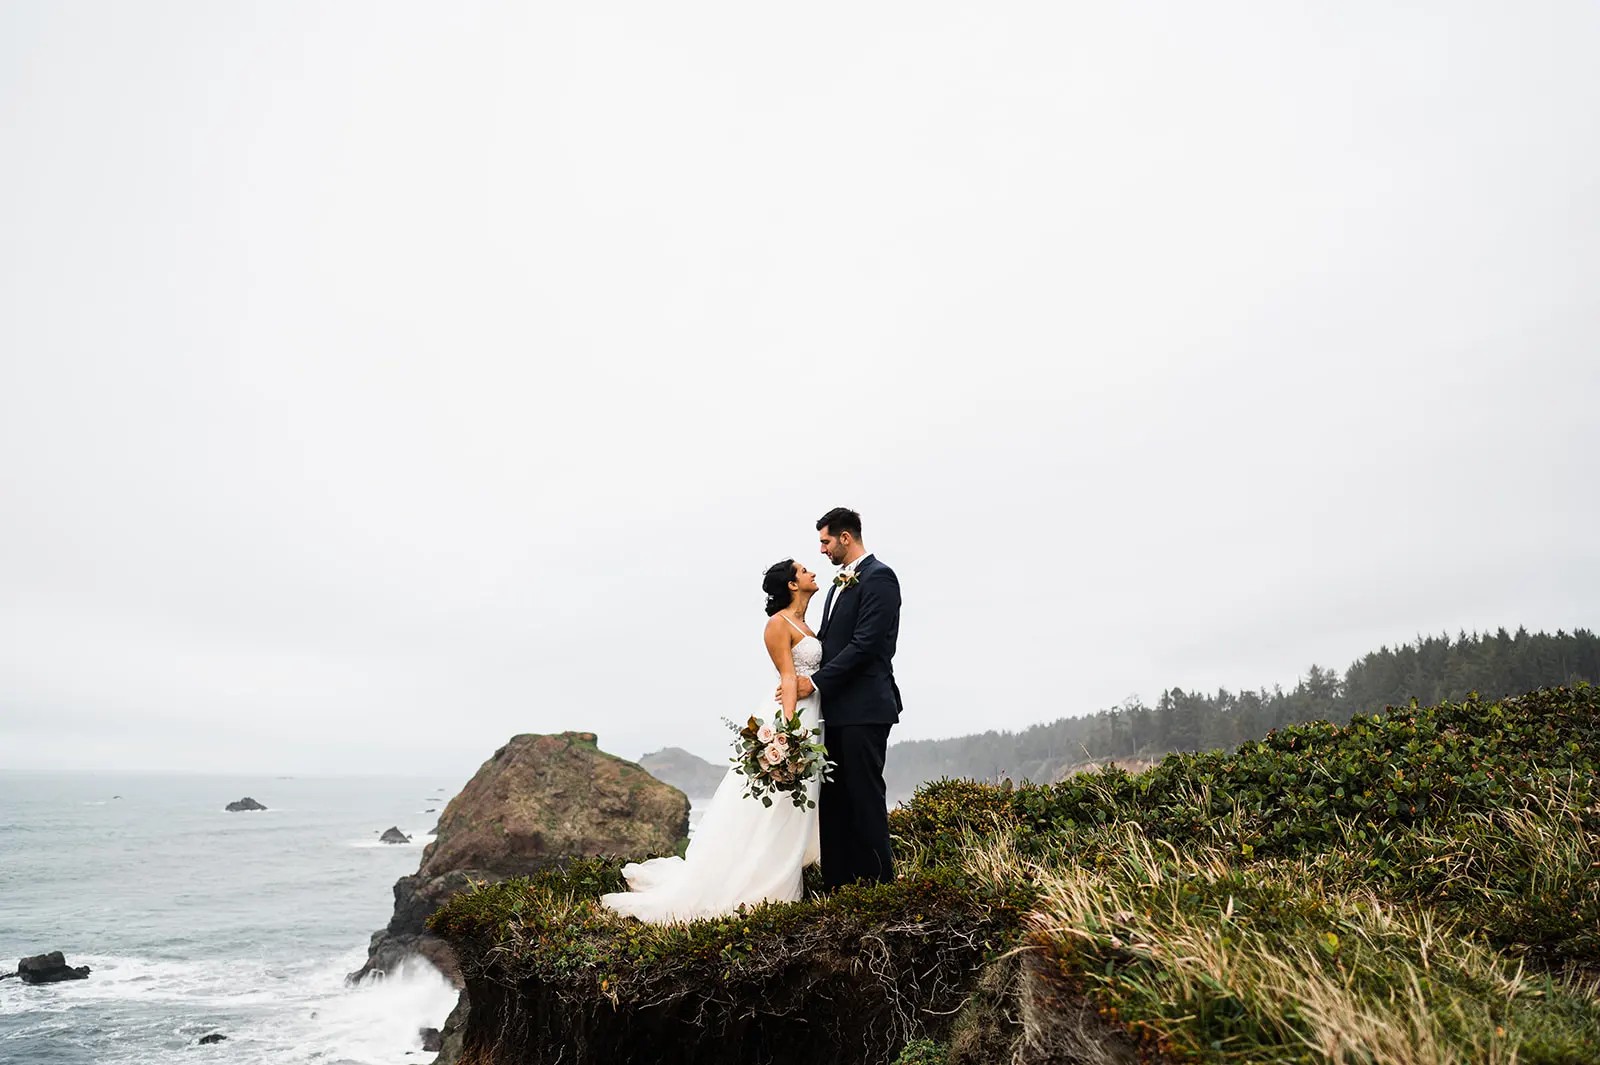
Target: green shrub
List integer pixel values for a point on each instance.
(922, 1052)
(1302, 788)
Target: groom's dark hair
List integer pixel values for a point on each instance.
(841, 520)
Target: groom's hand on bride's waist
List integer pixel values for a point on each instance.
(803, 689)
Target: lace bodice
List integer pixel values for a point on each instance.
(807, 656)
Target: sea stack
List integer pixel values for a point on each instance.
(246, 803)
(539, 799)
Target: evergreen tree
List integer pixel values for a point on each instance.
(1431, 670)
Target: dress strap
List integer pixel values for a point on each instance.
(792, 625)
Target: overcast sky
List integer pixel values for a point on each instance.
(381, 380)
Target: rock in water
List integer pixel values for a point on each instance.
(394, 835)
(214, 1037)
(246, 803)
(537, 800)
(49, 969)
(432, 1042)
(453, 1035)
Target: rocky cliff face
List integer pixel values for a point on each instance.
(537, 800)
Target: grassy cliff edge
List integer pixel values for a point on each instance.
(1420, 885)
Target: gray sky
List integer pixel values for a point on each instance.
(380, 380)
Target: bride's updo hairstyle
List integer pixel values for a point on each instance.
(775, 582)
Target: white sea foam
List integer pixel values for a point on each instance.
(302, 1014)
(378, 1021)
(218, 984)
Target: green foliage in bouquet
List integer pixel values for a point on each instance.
(779, 757)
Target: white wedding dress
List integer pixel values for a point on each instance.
(741, 852)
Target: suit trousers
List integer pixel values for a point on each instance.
(853, 811)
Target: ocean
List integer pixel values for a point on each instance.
(198, 921)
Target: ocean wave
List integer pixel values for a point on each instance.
(378, 1020)
(141, 1010)
(229, 983)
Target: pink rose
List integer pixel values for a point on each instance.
(782, 740)
(773, 755)
(765, 733)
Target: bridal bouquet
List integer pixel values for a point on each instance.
(779, 756)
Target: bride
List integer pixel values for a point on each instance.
(742, 851)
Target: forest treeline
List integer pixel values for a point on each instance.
(1432, 670)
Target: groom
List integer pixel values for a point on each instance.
(860, 701)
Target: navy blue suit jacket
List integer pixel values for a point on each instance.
(860, 627)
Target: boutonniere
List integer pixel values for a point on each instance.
(846, 579)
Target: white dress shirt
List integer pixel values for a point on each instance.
(837, 592)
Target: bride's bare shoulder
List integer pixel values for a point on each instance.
(779, 631)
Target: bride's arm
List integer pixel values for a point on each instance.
(780, 647)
